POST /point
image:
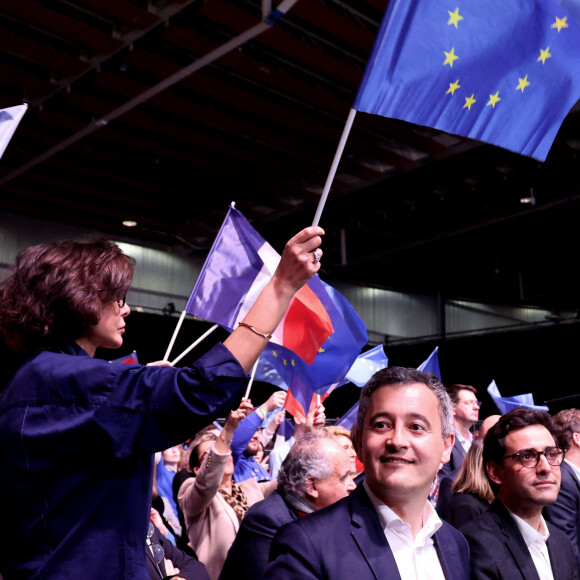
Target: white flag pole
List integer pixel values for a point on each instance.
(192, 346)
(172, 341)
(334, 166)
(247, 395)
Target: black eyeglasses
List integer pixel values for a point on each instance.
(120, 301)
(530, 457)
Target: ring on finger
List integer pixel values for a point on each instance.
(317, 255)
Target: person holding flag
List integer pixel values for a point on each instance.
(79, 433)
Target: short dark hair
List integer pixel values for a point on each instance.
(494, 442)
(405, 376)
(567, 422)
(453, 391)
(54, 292)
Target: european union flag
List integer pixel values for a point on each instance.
(503, 72)
(281, 366)
(431, 364)
(349, 418)
(506, 404)
(366, 365)
(9, 119)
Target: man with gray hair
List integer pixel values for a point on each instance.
(316, 472)
(386, 528)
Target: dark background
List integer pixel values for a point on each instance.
(542, 361)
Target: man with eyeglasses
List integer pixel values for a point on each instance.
(465, 416)
(512, 540)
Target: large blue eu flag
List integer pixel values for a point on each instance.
(505, 72)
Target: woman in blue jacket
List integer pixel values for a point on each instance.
(78, 433)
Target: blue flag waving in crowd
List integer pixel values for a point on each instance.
(505, 73)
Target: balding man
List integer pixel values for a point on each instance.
(316, 472)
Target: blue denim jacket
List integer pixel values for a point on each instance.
(77, 436)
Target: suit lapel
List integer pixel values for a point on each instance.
(560, 566)
(460, 450)
(514, 541)
(449, 555)
(370, 538)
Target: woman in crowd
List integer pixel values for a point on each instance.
(471, 492)
(342, 435)
(165, 470)
(78, 433)
(212, 502)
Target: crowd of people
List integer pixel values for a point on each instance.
(120, 471)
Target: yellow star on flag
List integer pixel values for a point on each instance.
(450, 57)
(544, 55)
(321, 350)
(274, 354)
(469, 101)
(293, 362)
(453, 87)
(560, 23)
(454, 17)
(522, 84)
(493, 100)
(284, 362)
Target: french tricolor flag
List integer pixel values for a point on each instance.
(239, 265)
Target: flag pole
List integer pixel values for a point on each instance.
(175, 332)
(192, 346)
(334, 166)
(247, 395)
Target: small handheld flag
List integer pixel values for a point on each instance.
(238, 267)
(9, 119)
(506, 404)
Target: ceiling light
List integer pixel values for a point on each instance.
(529, 199)
(129, 223)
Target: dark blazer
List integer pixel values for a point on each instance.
(565, 513)
(457, 456)
(346, 541)
(189, 568)
(248, 557)
(462, 508)
(498, 549)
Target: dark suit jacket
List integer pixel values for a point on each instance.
(565, 513)
(248, 557)
(346, 541)
(457, 456)
(498, 549)
(462, 508)
(189, 568)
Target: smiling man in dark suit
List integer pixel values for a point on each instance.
(511, 540)
(386, 528)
